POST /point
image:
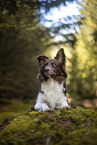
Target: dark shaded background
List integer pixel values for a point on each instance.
(22, 38)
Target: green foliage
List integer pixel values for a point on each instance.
(21, 40)
(62, 126)
(84, 61)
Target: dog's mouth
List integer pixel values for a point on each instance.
(49, 74)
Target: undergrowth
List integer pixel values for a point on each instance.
(77, 126)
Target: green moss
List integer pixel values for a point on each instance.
(61, 127)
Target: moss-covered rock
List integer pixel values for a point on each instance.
(76, 126)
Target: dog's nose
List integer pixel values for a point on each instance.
(47, 70)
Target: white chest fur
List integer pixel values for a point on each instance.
(51, 97)
(52, 89)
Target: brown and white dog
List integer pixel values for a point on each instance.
(53, 83)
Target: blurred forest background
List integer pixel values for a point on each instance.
(23, 37)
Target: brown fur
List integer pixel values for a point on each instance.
(59, 71)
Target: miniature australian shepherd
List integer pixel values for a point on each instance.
(52, 75)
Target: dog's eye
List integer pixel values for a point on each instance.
(54, 65)
(45, 64)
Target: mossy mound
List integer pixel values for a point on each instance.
(76, 126)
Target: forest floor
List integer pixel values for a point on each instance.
(77, 125)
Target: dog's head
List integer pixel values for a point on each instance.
(52, 67)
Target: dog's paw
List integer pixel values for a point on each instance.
(42, 107)
(65, 106)
(45, 110)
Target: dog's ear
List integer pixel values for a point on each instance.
(41, 59)
(62, 60)
(61, 56)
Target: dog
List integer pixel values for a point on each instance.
(52, 75)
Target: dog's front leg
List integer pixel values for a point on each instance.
(65, 103)
(41, 104)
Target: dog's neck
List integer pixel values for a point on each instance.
(59, 79)
(51, 85)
